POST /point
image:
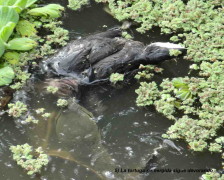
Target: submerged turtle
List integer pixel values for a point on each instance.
(78, 131)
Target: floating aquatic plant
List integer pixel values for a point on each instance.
(9, 19)
(52, 89)
(175, 52)
(62, 103)
(46, 115)
(21, 44)
(146, 72)
(18, 5)
(182, 93)
(12, 57)
(30, 119)
(214, 175)
(116, 77)
(181, 90)
(25, 38)
(32, 160)
(40, 110)
(199, 26)
(147, 94)
(77, 4)
(51, 10)
(17, 109)
(26, 29)
(6, 75)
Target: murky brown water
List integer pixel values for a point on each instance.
(129, 134)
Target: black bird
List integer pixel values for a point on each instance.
(96, 57)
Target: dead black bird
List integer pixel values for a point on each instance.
(96, 57)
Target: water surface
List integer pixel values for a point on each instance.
(129, 134)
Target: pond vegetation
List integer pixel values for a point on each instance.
(199, 26)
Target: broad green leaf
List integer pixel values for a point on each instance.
(21, 44)
(20, 3)
(6, 31)
(6, 75)
(30, 2)
(2, 47)
(25, 28)
(8, 21)
(12, 57)
(8, 14)
(51, 10)
(7, 2)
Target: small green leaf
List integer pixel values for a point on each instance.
(178, 83)
(12, 57)
(6, 75)
(26, 29)
(182, 89)
(184, 94)
(51, 10)
(21, 44)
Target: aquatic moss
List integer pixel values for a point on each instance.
(32, 160)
